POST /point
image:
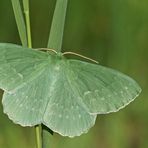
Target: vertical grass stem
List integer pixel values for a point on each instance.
(27, 18)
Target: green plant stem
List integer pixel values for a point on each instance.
(57, 26)
(38, 136)
(27, 17)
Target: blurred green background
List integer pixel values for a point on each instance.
(113, 32)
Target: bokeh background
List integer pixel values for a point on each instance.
(113, 32)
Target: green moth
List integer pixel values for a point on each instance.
(64, 94)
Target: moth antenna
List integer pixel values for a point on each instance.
(47, 49)
(79, 55)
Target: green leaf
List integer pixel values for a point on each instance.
(20, 21)
(65, 95)
(57, 27)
